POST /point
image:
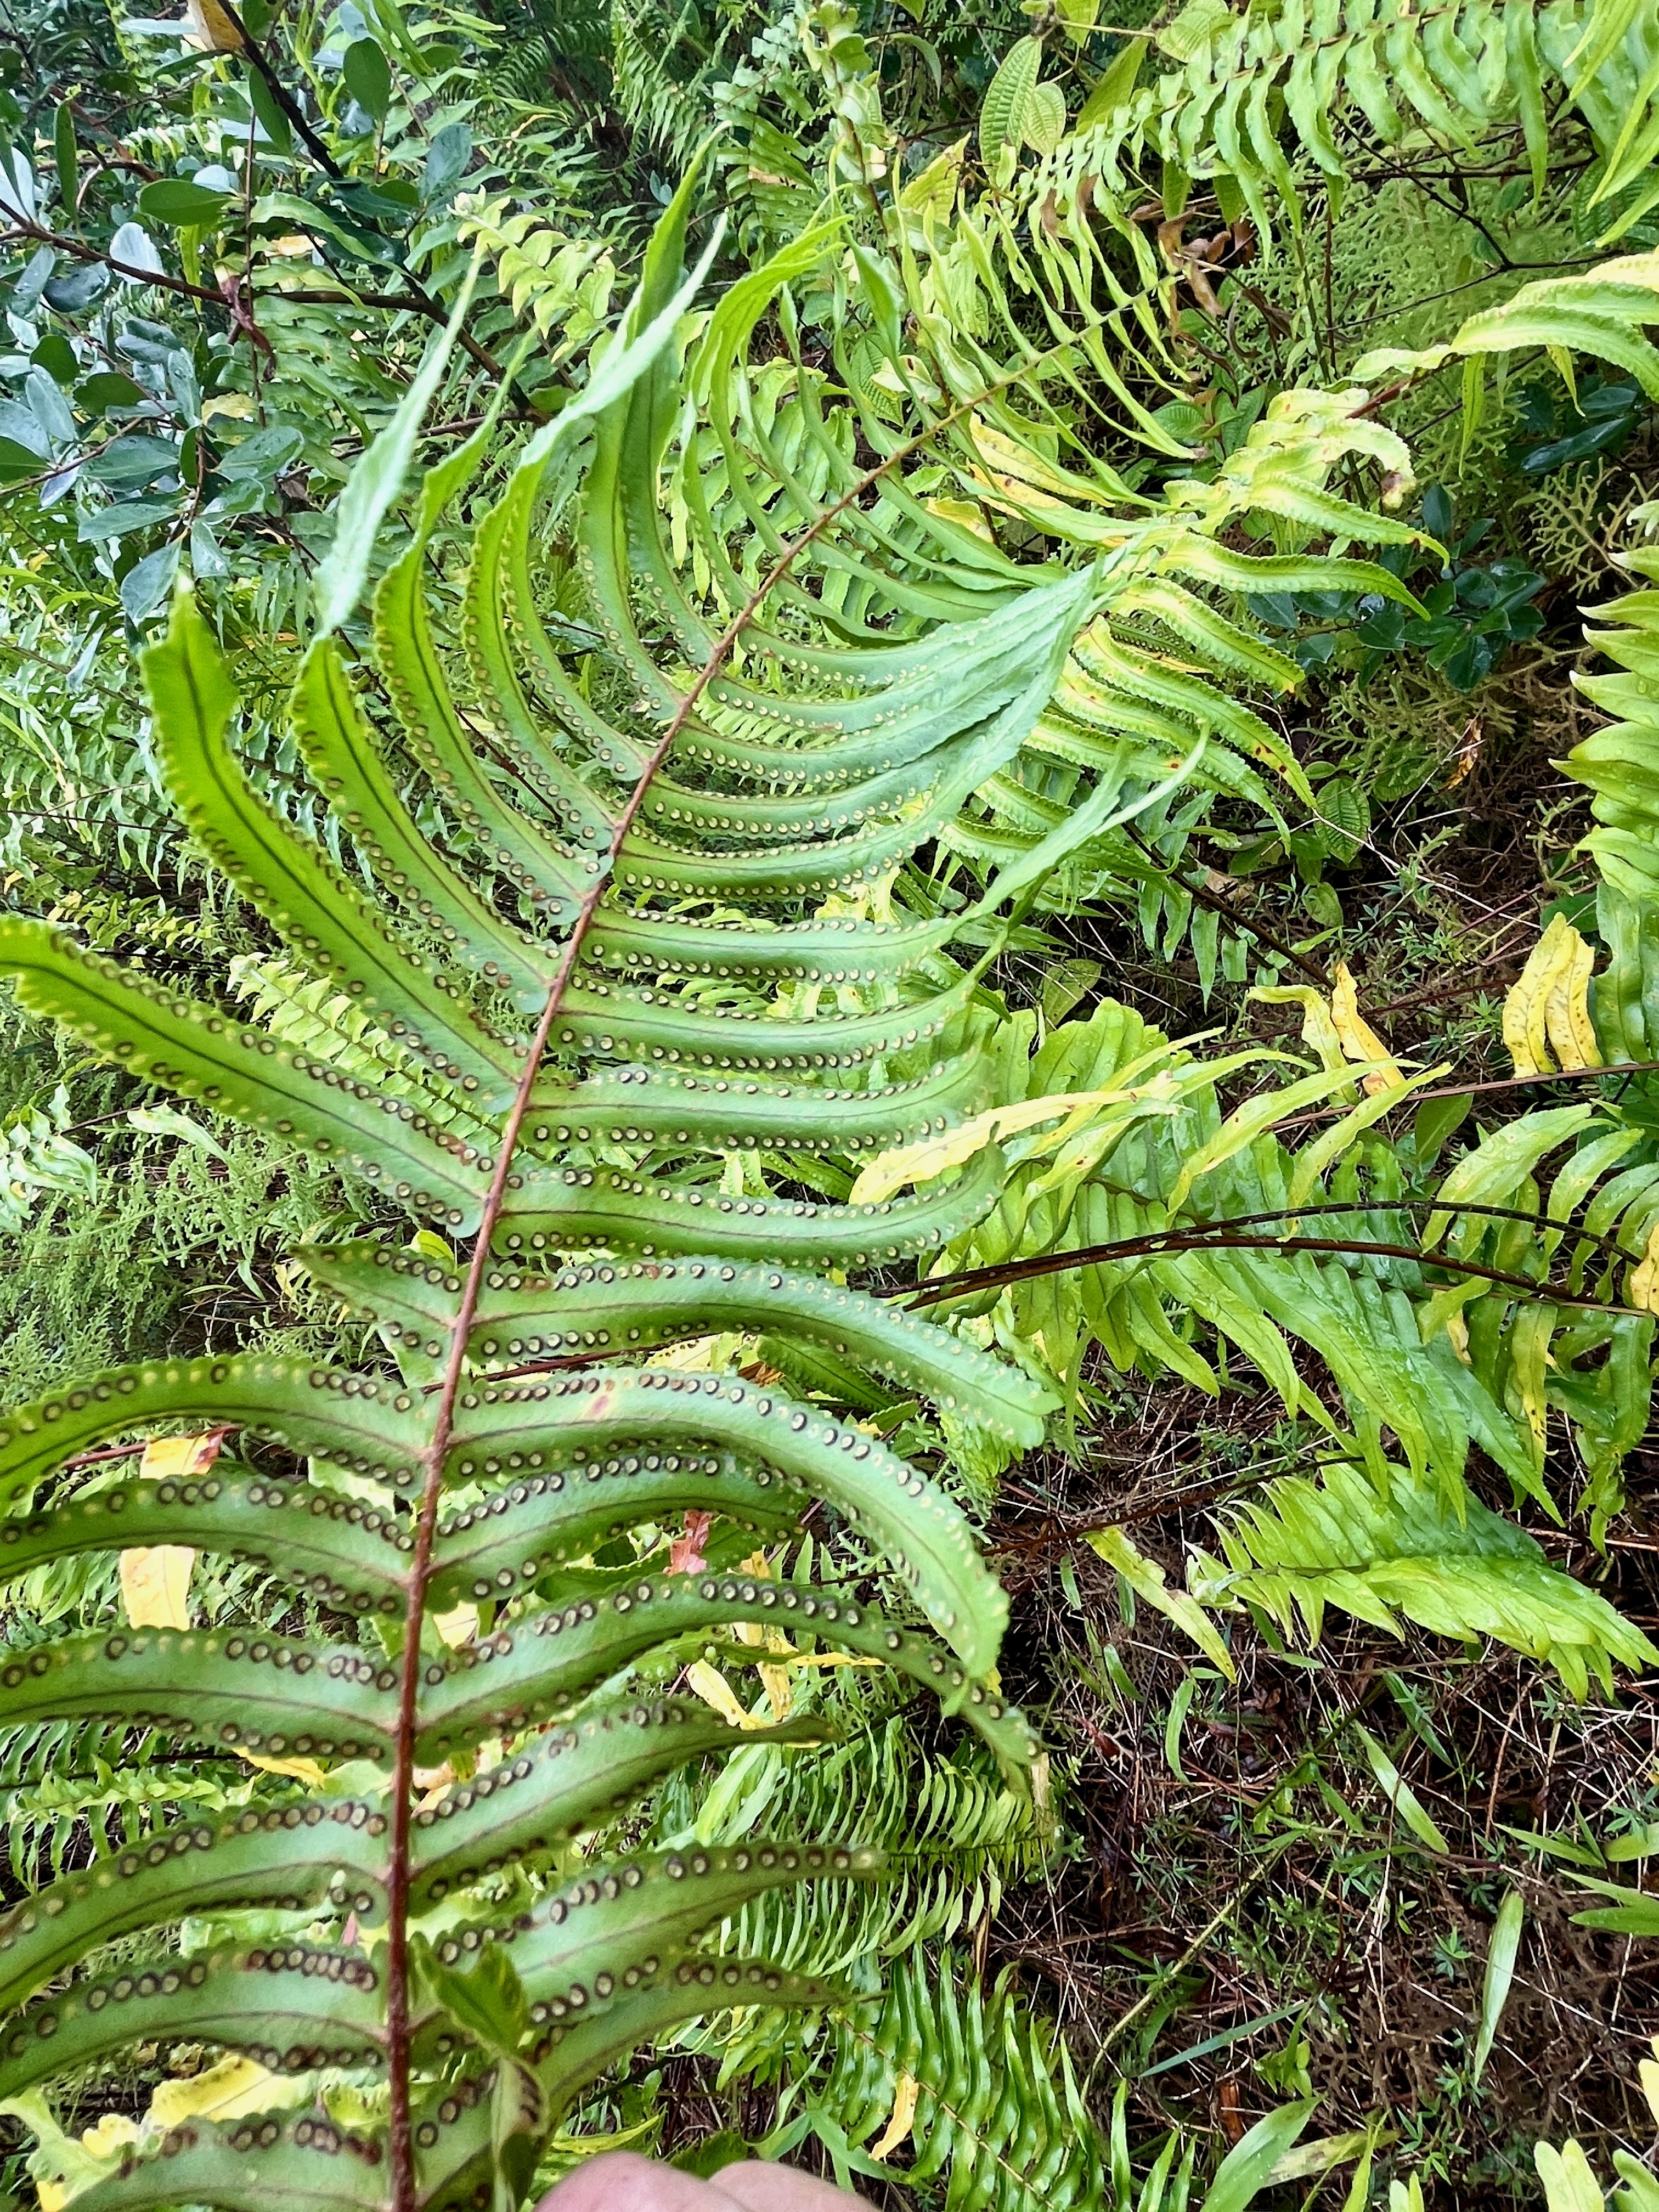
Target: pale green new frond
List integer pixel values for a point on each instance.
(1383, 1551)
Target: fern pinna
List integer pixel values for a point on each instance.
(543, 1049)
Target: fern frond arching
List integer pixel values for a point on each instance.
(402, 1048)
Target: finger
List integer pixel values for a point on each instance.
(622, 2181)
(759, 2186)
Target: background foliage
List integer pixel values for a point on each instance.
(1330, 1589)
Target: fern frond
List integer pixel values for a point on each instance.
(1378, 1552)
(1377, 69)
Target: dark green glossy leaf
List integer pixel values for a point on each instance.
(366, 75)
(182, 205)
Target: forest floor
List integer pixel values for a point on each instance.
(1229, 1930)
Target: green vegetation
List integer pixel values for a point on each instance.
(830, 1229)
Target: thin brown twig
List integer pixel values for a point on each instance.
(394, 302)
(255, 53)
(556, 1362)
(1158, 1246)
(97, 1458)
(22, 230)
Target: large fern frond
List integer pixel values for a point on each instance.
(1340, 75)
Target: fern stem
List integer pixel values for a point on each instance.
(1533, 1219)
(1607, 1245)
(400, 2135)
(420, 1573)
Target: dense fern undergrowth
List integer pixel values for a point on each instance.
(830, 1097)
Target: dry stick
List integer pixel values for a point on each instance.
(97, 1458)
(21, 230)
(401, 2140)
(1607, 1245)
(1158, 1244)
(254, 52)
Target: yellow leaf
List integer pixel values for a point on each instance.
(155, 1585)
(179, 1455)
(1548, 1005)
(932, 1156)
(60, 2165)
(1643, 1289)
(1569, 2179)
(1648, 2073)
(898, 2127)
(209, 29)
(1566, 1009)
(712, 1687)
(966, 513)
(228, 2091)
(301, 1769)
(434, 1782)
(112, 2133)
(1525, 1033)
(1015, 466)
(458, 1627)
(774, 1680)
(1359, 1041)
(155, 1578)
(1318, 1030)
